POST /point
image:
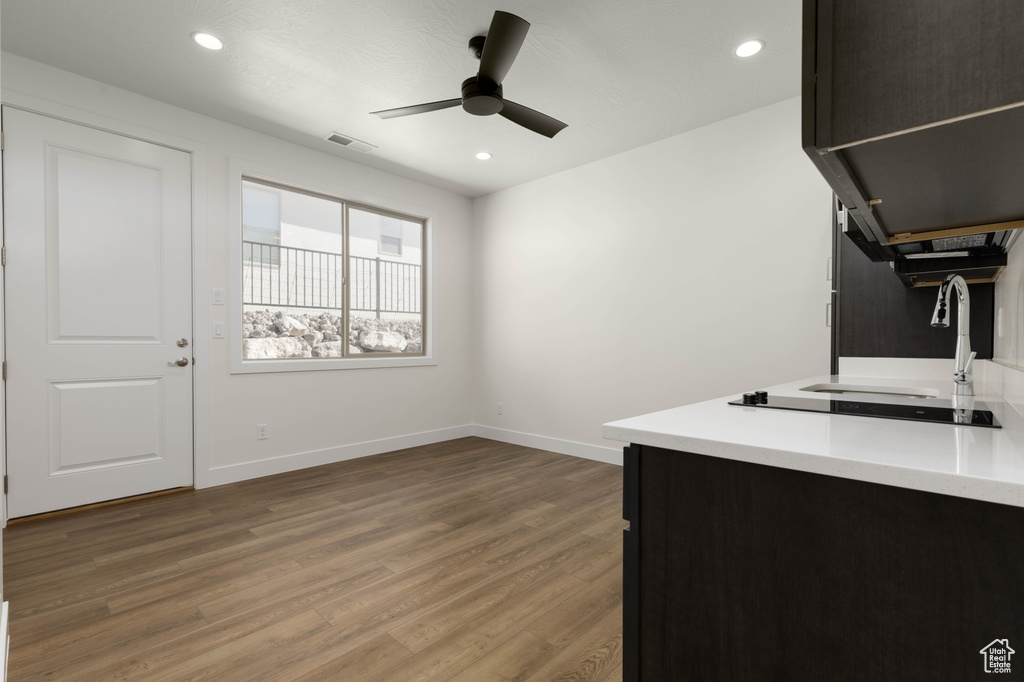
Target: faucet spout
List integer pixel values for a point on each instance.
(963, 379)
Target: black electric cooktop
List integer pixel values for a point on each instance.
(943, 414)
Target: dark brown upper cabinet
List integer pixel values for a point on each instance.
(913, 111)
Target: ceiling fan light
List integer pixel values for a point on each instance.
(749, 48)
(208, 41)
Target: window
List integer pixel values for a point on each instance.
(325, 278)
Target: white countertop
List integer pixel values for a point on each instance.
(966, 461)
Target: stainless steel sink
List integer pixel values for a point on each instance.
(901, 391)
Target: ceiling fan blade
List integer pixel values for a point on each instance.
(417, 108)
(534, 120)
(504, 38)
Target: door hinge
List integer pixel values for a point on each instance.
(2, 140)
(5, 370)
(3, 256)
(5, 484)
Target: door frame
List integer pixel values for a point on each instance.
(200, 252)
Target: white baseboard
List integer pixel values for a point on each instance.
(244, 471)
(233, 473)
(563, 447)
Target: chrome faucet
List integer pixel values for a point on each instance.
(963, 379)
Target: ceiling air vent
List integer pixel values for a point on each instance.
(351, 143)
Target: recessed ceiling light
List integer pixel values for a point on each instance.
(208, 41)
(483, 156)
(749, 48)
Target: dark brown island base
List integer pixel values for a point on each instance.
(747, 572)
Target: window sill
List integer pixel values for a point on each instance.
(328, 364)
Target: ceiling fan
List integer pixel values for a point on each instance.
(481, 94)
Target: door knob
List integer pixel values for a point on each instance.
(180, 362)
(182, 342)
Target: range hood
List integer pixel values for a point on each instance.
(921, 259)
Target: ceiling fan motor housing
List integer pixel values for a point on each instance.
(481, 96)
(476, 46)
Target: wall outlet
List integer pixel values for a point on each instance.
(500, 409)
(218, 330)
(261, 432)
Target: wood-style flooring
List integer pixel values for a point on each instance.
(465, 560)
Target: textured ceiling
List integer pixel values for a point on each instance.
(621, 74)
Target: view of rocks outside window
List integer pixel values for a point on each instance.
(293, 293)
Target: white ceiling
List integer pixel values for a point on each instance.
(620, 73)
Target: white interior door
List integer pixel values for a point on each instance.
(98, 285)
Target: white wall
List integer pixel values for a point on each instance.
(314, 417)
(681, 271)
(1008, 332)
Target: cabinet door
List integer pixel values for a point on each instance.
(752, 572)
(900, 65)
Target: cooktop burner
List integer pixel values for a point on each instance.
(943, 414)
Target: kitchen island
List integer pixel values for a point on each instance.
(775, 545)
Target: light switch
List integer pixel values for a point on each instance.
(218, 297)
(218, 330)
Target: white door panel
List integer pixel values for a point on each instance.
(86, 246)
(98, 292)
(84, 412)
